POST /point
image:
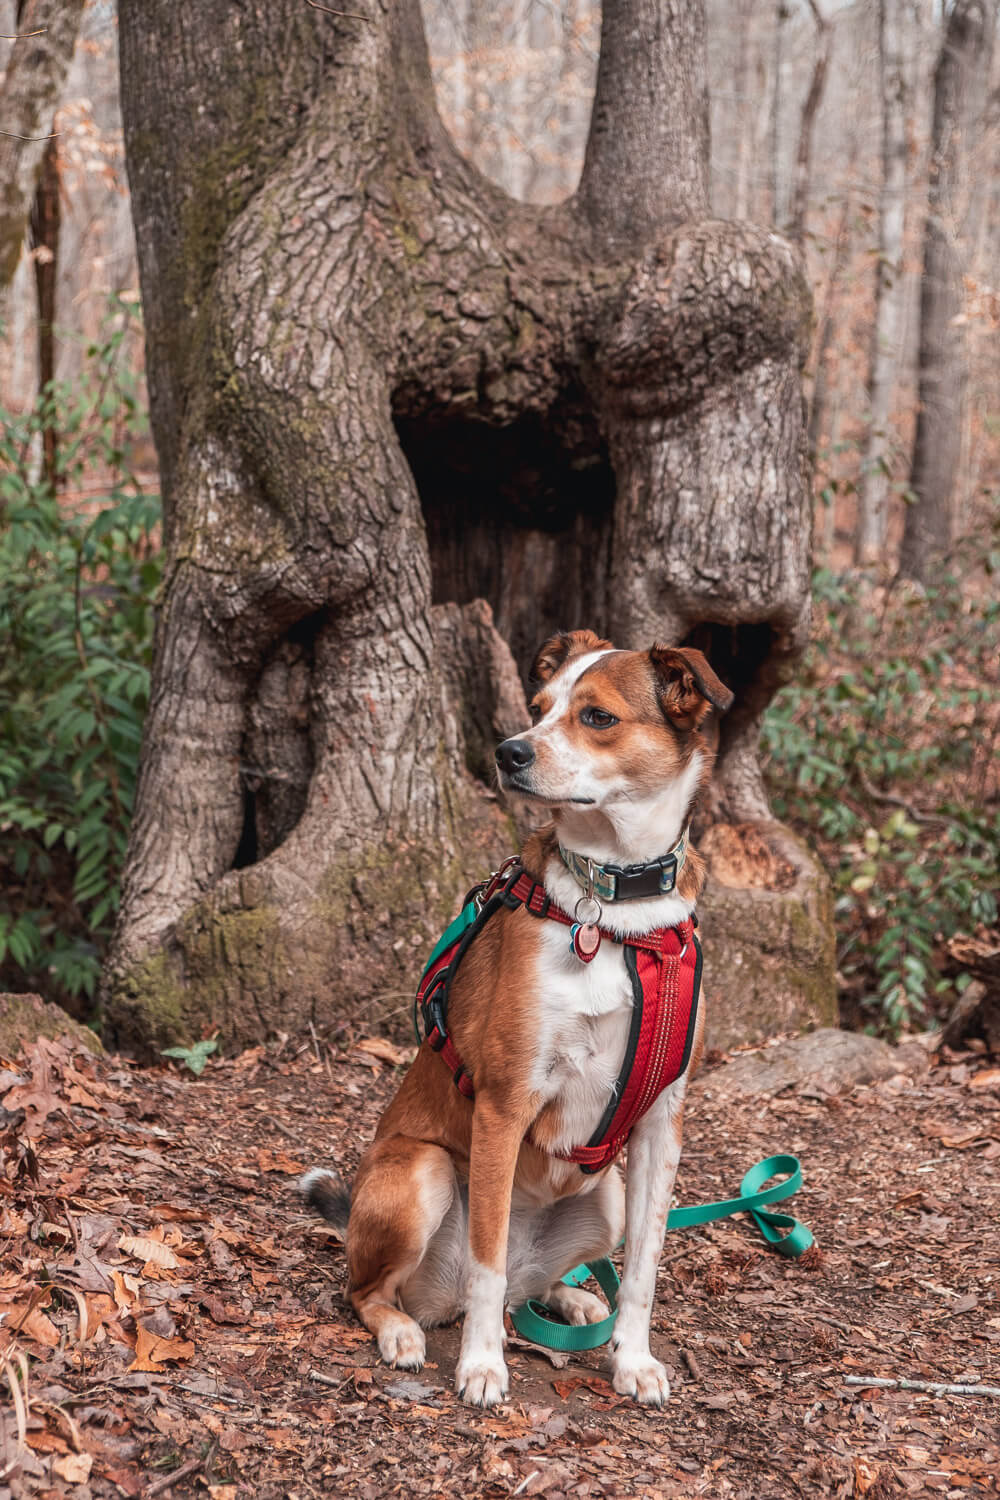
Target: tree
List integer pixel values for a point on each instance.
(961, 81)
(802, 181)
(381, 392)
(873, 494)
(42, 50)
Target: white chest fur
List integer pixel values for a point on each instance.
(585, 1013)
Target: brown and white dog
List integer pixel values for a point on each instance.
(459, 1206)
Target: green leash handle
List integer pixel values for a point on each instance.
(782, 1232)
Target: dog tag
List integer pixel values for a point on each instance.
(584, 940)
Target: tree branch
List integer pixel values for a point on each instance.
(646, 166)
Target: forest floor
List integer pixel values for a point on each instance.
(175, 1323)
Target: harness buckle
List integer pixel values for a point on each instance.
(432, 1008)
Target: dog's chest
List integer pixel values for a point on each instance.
(585, 1011)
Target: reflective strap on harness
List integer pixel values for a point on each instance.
(785, 1234)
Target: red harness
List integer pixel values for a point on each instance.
(665, 970)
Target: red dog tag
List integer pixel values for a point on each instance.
(584, 940)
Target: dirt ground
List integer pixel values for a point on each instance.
(171, 1322)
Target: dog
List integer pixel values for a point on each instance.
(478, 1196)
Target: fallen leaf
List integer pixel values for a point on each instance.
(149, 1248)
(151, 1352)
(278, 1161)
(381, 1047)
(989, 1078)
(865, 1476)
(593, 1383)
(46, 1442)
(127, 1289)
(74, 1467)
(29, 1321)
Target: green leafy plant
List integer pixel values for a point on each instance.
(78, 572)
(883, 753)
(194, 1057)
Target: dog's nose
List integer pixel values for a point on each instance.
(514, 755)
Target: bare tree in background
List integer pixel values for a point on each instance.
(961, 83)
(873, 490)
(31, 88)
(382, 393)
(802, 180)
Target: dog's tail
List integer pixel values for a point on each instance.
(325, 1192)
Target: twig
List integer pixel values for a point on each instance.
(936, 1388)
(160, 1486)
(322, 1379)
(894, 801)
(17, 1381)
(349, 15)
(213, 1395)
(20, 36)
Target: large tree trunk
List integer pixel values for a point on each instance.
(960, 85)
(382, 389)
(873, 494)
(32, 84)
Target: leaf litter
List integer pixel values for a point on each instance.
(172, 1322)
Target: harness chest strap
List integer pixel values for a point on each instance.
(664, 968)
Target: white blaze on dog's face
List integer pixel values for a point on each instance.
(615, 734)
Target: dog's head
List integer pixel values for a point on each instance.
(613, 728)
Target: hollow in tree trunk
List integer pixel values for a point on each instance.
(382, 393)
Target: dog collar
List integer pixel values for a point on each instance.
(627, 882)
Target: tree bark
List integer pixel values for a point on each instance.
(32, 84)
(961, 80)
(873, 494)
(382, 389)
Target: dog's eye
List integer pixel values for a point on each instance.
(597, 718)
(535, 712)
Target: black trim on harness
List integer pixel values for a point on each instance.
(635, 1026)
(695, 1002)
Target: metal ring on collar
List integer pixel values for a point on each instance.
(589, 921)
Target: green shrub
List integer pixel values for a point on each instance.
(883, 752)
(78, 571)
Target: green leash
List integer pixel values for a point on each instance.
(781, 1231)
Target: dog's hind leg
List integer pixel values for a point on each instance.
(402, 1192)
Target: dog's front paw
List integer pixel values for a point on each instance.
(640, 1376)
(481, 1382)
(401, 1344)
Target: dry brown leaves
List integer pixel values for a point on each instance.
(170, 1323)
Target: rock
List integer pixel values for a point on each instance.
(826, 1061)
(24, 1018)
(766, 924)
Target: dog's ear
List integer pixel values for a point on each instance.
(557, 651)
(686, 685)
